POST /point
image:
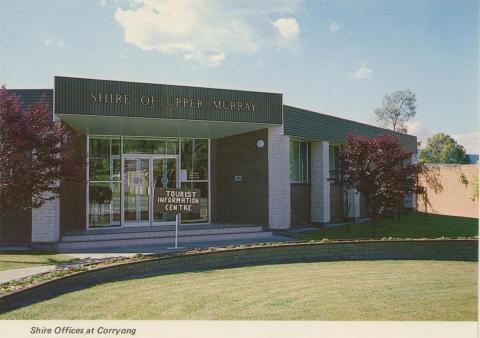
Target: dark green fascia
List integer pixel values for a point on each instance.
(74, 96)
(308, 124)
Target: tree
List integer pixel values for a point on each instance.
(442, 148)
(397, 108)
(35, 154)
(380, 169)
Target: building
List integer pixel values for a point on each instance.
(256, 161)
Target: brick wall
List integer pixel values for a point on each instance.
(46, 222)
(244, 202)
(461, 250)
(73, 198)
(300, 204)
(320, 197)
(16, 227)
(278, 179)
(445, 194)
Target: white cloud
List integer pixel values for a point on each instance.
(103, 2)
(333, 26)
(417, 129)
(205, 31)
(363, 72)
(469, 141)
(287, 28)
(53, 42)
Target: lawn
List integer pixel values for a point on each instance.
(346, 290)
(24, 259)
(410, 225)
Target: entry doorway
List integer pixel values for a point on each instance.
(141, 175)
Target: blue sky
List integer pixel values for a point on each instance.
(335, 57)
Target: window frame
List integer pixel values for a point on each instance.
(307, 160)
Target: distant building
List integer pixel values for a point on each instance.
(473, 158)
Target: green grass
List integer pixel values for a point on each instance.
(410, 225)
(25, 259)
(360, 290)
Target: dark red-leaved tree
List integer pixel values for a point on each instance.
(381, 170)
(35, 155)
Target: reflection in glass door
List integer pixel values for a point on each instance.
(141, 174)
(164, 174)
(136, 190)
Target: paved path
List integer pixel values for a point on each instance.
(8, 275)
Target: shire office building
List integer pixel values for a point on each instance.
(260, 165)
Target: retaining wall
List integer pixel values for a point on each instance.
(462, 250)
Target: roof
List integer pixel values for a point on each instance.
(312, 125)
(28, 97)
(297, 121)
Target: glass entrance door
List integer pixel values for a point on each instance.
(164, 174)
(141, 174)
(136, 191)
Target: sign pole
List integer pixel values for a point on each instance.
(177, 223)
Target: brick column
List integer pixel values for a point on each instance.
(278, 179)
(46, 223)
(320, 186)
(353, 203)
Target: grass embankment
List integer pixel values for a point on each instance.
(410, 225)
(361, 290)
(24, 259)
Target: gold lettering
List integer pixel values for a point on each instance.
(100, 98)
(145, 100)
(192, 102)
(217, 104)
(118, 98)
(239, 105)
(185, 102)
(126, 99)
(200, 104)
(247, 106)
(179, 100)
(94, 99)
(169, 102)
(224, 105)
(232, 105)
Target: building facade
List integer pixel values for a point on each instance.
(254, 160)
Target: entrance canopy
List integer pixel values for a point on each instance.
(131, 126)
(145, 109)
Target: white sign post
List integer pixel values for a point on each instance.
(177, 224)
(176, 200)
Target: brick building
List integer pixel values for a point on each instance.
(259, 165)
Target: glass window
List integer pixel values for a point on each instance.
(146, 146)
(333, 164)
(104, 182)
(298, 161)
(195, 159)
(201, 217)
(104, 204)
(303, 161)
(99, 162)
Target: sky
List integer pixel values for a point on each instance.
(336, 57)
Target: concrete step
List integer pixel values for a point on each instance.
(163, 240)
(132, 233)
